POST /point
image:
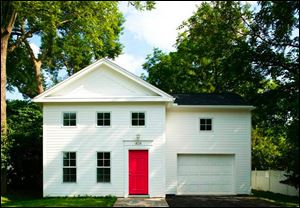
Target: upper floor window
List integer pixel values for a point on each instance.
(205, 124)
(69, 119)
(103, 119)
(138, 119)
(69, 167)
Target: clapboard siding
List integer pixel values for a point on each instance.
(103, 81)
(87, 139)
(231, 134)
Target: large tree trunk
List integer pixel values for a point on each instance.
(37, 65)
(38, 75)
(4, 43)
(7, 25)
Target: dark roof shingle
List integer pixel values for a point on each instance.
(209, 99)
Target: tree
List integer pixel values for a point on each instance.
(226, 47)
(25, 163)
(276, 55)
(7, 24)
(207, 49)
(72, 34)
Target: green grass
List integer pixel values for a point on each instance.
(279, 199)
(33, 200)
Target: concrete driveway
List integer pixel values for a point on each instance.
(217, 201)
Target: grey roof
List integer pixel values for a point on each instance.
(209, 99)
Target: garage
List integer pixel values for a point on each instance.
(205, 174)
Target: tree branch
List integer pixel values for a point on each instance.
(63, 22)
(7, 29)
(31, 53)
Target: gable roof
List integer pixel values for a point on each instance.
(209, 99)
(44, 97)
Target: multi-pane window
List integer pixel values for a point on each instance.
(138, 119)
(69, 167)
(69, 119)
(103, 167)
(103, 119)
(205, 124)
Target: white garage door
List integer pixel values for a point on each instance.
(205, 174)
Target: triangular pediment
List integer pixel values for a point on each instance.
(103, 81)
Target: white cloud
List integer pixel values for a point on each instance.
(158, 27)
(35, 49)
(130, 62)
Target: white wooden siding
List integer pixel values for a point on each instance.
(86, 139)
(231, 135)
(103, 82)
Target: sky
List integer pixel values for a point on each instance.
(143, 31)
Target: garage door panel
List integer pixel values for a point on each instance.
(205, 179)
(191, 170)
(200, 174)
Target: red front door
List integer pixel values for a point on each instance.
(138, 172)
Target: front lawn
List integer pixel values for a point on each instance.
(279, 199)
(17, 200)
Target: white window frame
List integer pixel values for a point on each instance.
(138, 126)
(199, 124)
(104, 182)
(110, 119)
(62, 119)
(63, 166)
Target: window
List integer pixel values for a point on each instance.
(138, 119)
(69, 167)
(103, 167)
(69, 119)
(205, 124)
(103, 119)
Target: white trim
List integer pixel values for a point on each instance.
(42, 97)
(138, 126)
(199, 125)
(139, 80)
(110, 161)
(62, 119)
(73, 77)
(69, 182)
(104, 99)
(245, 107)
(110, 120)
(130, 145)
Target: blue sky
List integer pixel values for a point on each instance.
(142, 32)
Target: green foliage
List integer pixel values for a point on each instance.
(25, 137)
(269, 151)
(72, 33)
(20, 72)
(5, 145)
(225, 47)
(275, 53)
(207, 49)
(143, 5)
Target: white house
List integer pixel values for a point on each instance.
(108, 132)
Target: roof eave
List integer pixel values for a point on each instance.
(245, 107)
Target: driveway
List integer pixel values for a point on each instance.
(217, 201)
